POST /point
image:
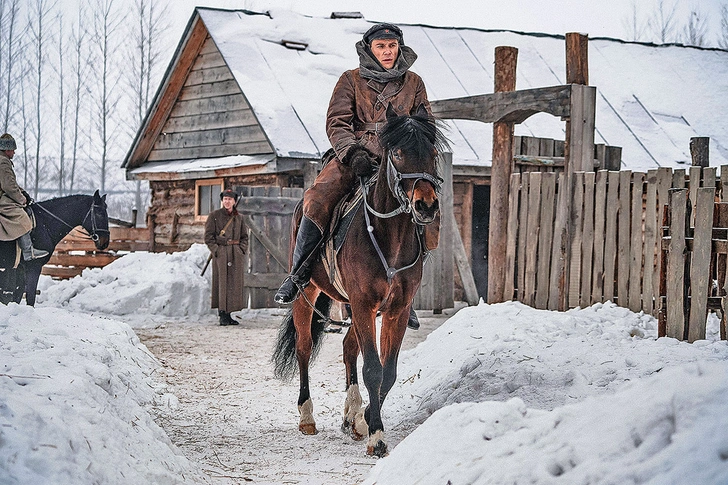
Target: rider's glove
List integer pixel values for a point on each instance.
(361, 161)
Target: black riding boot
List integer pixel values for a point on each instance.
(307, 240)
(29, 252)
(413, 322)
(224, 318)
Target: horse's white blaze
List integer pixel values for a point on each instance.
(352, 404)
(375, 438)
(306, 412)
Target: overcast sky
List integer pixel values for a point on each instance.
(593, 17)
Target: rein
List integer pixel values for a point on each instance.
(94, 229)
(394, 181)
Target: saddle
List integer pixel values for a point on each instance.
(341, 219)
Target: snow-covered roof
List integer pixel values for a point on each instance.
(202, 168)
(650, 99)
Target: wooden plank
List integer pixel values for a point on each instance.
(610, 238)
(128, 233)
(649, 295)
(676, 265)
(577, 211)
(279, 206)
(445, 291)
(724, 183)
(636, 249)
(251, 148)
(206, 76)
(216, 104)
(545, 238)
(210, 90)
(60, 272)
(580, 128)
(600, 217)
(95, 260)
(208, 59)
(513, 197)
(700, 263)
(577, 58)
(709, 177)
(466, 273)
(210, 121)
(587, 255)
(522, 231)
(559, 250)
(257, 249)
(258, 230)
(534, 201)
(623, 227)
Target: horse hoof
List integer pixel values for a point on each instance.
(308, 428)
(379, 449)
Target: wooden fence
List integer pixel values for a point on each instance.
(615, 244)
(77, 252)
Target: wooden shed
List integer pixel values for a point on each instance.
(243, 103)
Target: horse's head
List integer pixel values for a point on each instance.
(96, 221)
(412, 145)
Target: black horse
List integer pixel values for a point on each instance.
(54, 218)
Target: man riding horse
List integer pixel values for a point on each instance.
(15, 223)
(356, 114)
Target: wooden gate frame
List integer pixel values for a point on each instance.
(574, 103)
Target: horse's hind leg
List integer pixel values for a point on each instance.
(302, 313)
(354, 423)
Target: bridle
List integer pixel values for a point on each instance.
(94, 236)
(394, 182)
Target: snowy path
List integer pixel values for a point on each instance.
(239, 423)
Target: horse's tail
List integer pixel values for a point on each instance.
(284, 354)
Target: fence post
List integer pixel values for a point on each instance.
(502, 166)
(699, 151)
(700, 263)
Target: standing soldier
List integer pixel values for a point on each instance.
(15, 223)
(227, 238)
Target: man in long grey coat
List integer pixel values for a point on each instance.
(227, 238)
(14, 221)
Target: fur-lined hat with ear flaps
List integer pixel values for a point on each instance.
(229, 193)
(7, 142)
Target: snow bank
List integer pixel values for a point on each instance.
(73, 391)
(138, 283)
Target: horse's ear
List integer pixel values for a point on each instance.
(96, 194)
(103, 197)
(391, 113)
(422, 111)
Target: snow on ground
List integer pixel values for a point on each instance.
(505, 393)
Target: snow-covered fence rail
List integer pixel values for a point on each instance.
(76, 252)
(615, 245)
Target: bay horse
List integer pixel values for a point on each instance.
(380, 266)
(54, 218)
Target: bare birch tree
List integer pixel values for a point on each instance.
(634, 25)
(38, 18)
(663, 23)
(106, 22)
(10, 51)
(80, 69)
(723, 34)
(62, 106)
(696, 29)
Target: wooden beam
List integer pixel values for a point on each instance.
(514, 106)
(502, 167)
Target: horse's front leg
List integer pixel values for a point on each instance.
(302, 313)
(364, 324)
(394, 325)
(354, 423)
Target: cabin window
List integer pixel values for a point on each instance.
(207, 197)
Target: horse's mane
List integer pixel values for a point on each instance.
(417, 136)
(64, 198)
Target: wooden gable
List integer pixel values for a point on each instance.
(200, 111)
(211, 117)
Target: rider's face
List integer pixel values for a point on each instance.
(9, 153)
(386, 51)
